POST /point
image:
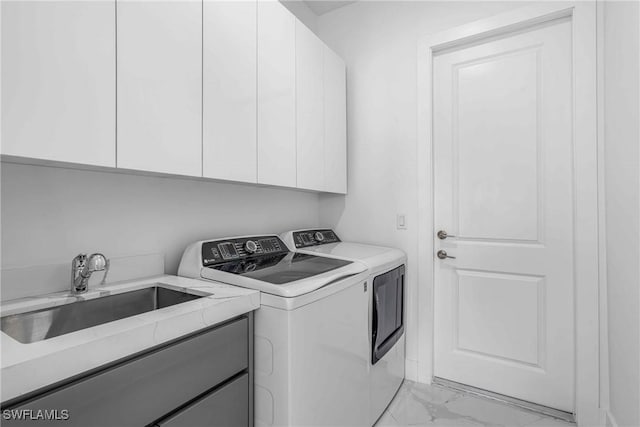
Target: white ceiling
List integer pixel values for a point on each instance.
(320, 7)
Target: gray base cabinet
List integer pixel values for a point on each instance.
(226, 406)
(201, 380)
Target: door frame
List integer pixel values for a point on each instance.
(586, 185)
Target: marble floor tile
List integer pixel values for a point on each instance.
(550, 422)
(490, 412)
(432, 405)
(387, 420)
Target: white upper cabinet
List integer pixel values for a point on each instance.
(58, 81)
(335, 123)
(236, 90)
(229, 90)
(276, 95)
(309, 109)
(159, 71)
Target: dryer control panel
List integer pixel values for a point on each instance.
(221, 251)
(306, 238)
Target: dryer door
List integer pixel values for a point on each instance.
(388, 312)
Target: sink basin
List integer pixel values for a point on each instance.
(51, 322)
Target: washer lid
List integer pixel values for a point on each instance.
(281, 269)
(355, 251)
(351, 250)
(376, 258)
(291, 279)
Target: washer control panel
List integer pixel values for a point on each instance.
(221, 251)
(306, 238)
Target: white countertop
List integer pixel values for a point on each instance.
(28, 367)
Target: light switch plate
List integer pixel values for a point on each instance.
(401, 222)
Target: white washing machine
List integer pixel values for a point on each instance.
(311, 357)
(386, 293)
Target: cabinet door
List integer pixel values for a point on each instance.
(229, 90)
(335, 123)
(58, 81)
(276, 95)
(159, 74)
(227, 406)
(138, 392)
(309, 109)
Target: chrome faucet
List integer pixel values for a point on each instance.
(81, 269)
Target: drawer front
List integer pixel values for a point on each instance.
(139, 392)
(225, 407)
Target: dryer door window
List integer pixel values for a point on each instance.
(388, 312)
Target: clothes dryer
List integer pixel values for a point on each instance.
(386, 306)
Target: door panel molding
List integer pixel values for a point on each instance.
(537, 282)
(538, 203)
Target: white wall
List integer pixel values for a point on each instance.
(622, 140)
(49, 215)
(378, 41)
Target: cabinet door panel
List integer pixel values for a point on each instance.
(335, 123)
(276, 95)
(229, 90)
(160, 86)
(309, 109)
(141, 391)
(225, 407)
(58, 81)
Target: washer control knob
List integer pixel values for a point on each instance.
(319, 236)
(250, 246)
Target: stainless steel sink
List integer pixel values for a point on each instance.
(51, 322)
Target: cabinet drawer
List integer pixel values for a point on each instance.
(227, 406)
(138, 392)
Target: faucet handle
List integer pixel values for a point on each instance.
(97, 262)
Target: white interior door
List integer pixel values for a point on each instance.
(504, 310)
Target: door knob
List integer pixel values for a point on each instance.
(443, 255)
(443, 235)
